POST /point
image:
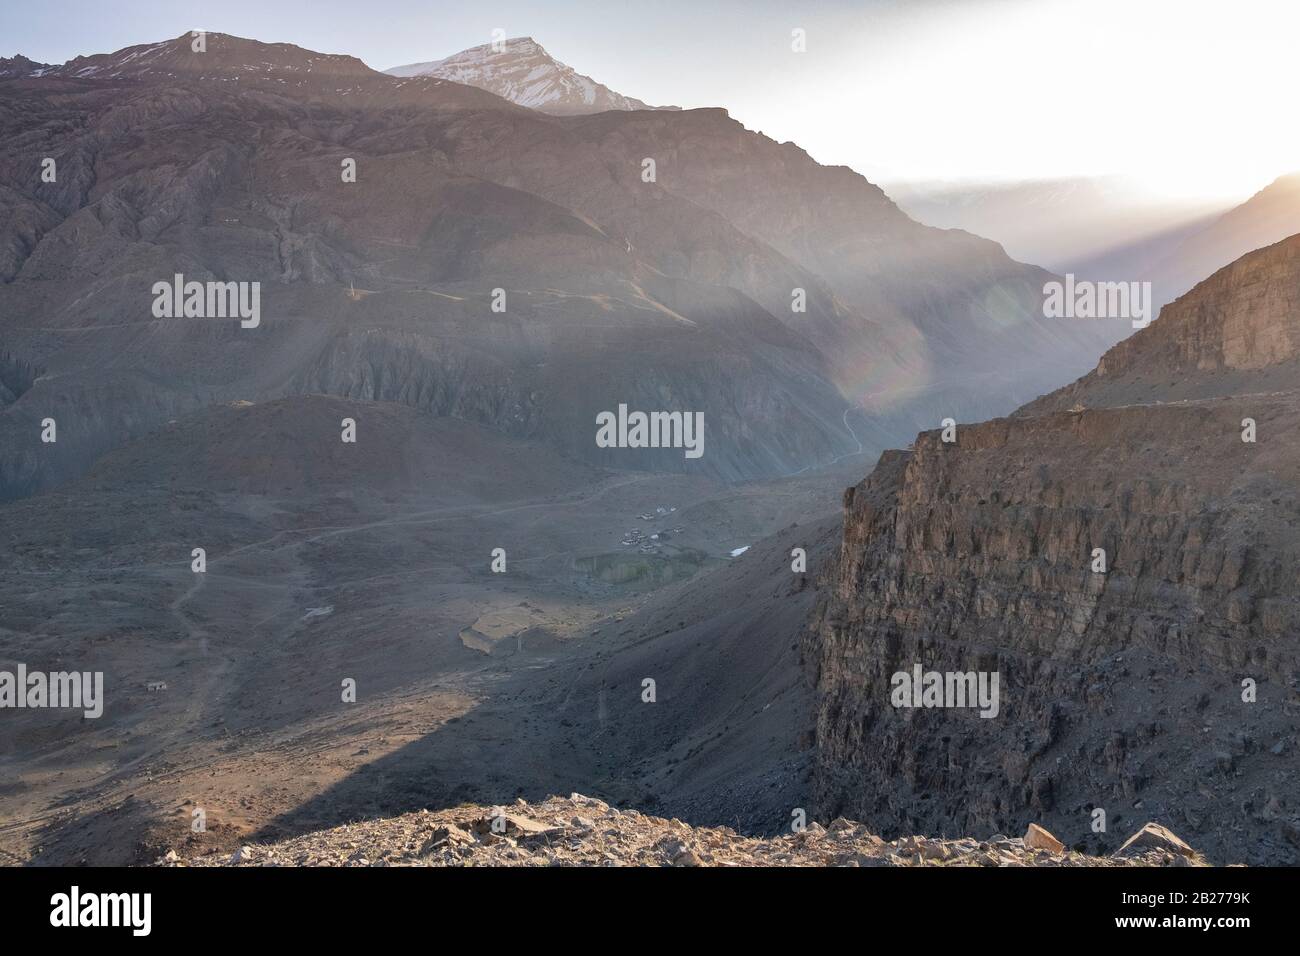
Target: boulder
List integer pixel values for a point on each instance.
(1036, 838)
(450, 835)
(1154, 837)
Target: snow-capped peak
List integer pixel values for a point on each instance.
(520, 70)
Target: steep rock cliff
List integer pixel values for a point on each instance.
(1120, 690)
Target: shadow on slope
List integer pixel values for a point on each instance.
(724, 742)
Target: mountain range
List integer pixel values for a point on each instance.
(678, 289)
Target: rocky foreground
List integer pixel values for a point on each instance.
(583, 831)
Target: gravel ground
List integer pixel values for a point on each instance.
(583, 831)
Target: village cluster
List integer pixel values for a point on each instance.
(648, 543)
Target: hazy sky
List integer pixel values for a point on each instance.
(1194, 97)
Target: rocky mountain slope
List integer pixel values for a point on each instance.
(1236, 334)
(584, 831)
(671, 294)
(14, 66)
(1162, 684)
(520, 70)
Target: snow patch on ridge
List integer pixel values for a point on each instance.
(524, 73)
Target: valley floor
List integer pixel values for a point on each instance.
(470, 685)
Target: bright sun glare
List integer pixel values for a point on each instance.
(1187, 97)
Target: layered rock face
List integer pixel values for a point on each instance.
(1162, 686)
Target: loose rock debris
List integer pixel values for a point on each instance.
(584, 831)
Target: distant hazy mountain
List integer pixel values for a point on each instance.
(524, 73)
(1091, 226)
(1269, 216)
(1108, 229)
